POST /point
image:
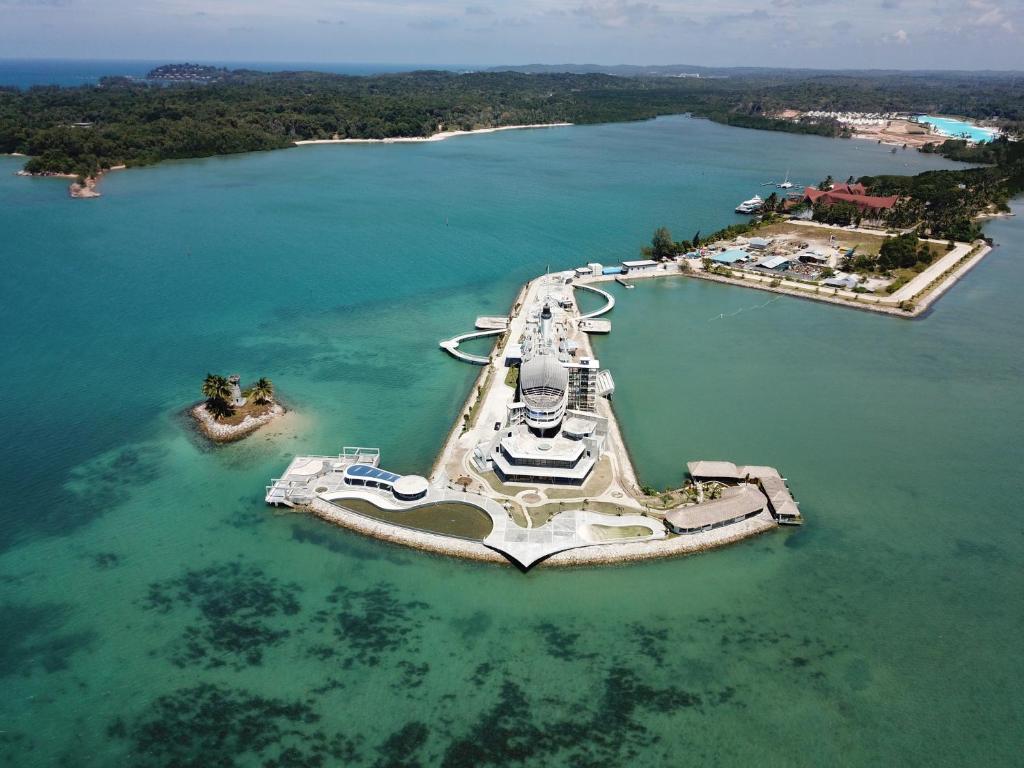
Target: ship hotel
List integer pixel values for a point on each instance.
(552, 432)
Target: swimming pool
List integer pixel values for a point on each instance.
(948, 126)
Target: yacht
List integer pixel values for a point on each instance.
(753, 205)
(787, 184)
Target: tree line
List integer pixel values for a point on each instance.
(86, 129)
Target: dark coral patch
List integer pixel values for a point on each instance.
(403, 748)
(210, 725)
(371, 623)
(235, 603)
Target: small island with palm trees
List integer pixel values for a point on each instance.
(228, 413)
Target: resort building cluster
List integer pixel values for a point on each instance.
(540, 454)
(551, 432)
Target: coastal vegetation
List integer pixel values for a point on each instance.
(946, 203)
(229, 414)
(86, 129)
(217, 392)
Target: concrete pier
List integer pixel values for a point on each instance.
(603, 518)
(451, 346)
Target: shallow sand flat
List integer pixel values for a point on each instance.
(441, 136)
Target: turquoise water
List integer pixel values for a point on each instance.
(948, 126)
(155, 610)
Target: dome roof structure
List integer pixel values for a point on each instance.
(543, 380)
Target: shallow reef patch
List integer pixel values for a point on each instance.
(371, 623)
(236, 603)
(212, 725)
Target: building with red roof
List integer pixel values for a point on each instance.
(850, 193)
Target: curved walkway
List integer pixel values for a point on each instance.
(609, 301)
(596, 554)
(524, 546)
(451, 346)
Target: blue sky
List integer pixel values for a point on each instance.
(963, 34)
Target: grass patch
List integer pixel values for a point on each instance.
(512, 377)
(620, 533)
(452, 519)
(545, 512)
(596, 484)
(469, 418)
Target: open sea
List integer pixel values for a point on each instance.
(156, 613)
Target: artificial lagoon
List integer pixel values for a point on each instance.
(156, 612)
(959, 129)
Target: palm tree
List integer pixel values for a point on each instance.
(262, 392)
(216, 387)
(217, 392)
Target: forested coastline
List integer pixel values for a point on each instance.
(86, 129)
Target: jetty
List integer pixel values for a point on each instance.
(451, 346)
(537, 449)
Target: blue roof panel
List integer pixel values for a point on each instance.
(370, 471)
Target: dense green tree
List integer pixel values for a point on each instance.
(839, 214)
(662, 245)
(262, 392)
(217, 392)
(901, 252)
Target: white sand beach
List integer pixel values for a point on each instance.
(435, 137)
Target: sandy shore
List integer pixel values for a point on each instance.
(435, 137)
(899, 133)
(228, 433)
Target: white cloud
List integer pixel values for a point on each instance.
(882, 33)
(618, 13)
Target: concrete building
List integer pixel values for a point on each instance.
(775, 263)
(582, 391)
(237, 400)
(842, 280)
(772, 486)
(856, 194)
(736, 504)
(552, 433)
(731, 256)
(638, 266)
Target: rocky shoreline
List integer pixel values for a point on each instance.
(600, 554)
(228, 433)
(84, 190)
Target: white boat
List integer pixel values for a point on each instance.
(787, 184)
(753, 205)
